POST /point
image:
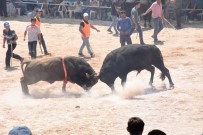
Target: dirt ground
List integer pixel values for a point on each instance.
(50, 112)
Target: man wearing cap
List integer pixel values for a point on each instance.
(11, 37)
(85, 34)
(136, 20)
(157, 17)
(125, 28)
(33, 35)
(38, 23)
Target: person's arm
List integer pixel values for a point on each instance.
(94, 28)
(129, 27)
(4, 41)
(148, 10)
(134, 19)
(25, 33)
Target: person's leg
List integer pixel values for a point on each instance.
(115, 20)
(1, 8)
(128, 40)
(87, 43)
(111, 25)
(178, 17)
(5, 8)
(140, 34)
(8, 56)
(122, 40)
(34, 49)
(82, 47)
(161, 26)
(16, 56)
(44, 45)
(156, 29)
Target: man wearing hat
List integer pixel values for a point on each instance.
(38, 23)
(125, 28)
(11, 37)
(136, 20)
(33, 35)
(85, 34)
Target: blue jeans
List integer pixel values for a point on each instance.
(32, 46)
(114, 23)
(87, 43)
(158, 26)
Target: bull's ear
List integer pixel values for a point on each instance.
(87, 75)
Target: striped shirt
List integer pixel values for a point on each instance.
(33, 32)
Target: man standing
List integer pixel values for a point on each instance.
(33, 35)
(136, 20)
(11, 37)
(85, 34)
(3, 8)
(38, 23)
(114, 17)
(125, 28)
(178, 7)
(157, 16)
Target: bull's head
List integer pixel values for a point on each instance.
(91, 80)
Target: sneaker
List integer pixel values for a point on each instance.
(109, 30)
(92, 55)
(81, 54)
(156, 42)
(7, 67)
(21, 60)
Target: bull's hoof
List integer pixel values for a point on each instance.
(171, 86)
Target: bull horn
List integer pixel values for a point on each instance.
(87, 75)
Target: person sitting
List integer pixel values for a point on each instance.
(78, 9)
(156, 132)
(135, 126)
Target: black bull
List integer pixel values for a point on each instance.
(121, 61)
(52, 69)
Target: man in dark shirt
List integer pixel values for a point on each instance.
(11, 37)
(3, 8)
(114, 17)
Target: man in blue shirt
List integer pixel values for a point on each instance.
(125, 28)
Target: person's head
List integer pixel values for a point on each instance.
(137, 4)
(7, 26)
(158, 1)
(122, 14)
(33, 21)
(156, 132)
(135, 126)
(86, 16)
(20, 130)
(78, 1)
(38, 12)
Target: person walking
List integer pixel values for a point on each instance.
(38, 23)
(136, 21)
(85, 34)
(33, 35)
(11, 38)
(3, 8)
(125, 28)
(114, 17)
(157, 18)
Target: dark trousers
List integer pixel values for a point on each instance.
(125, 38)
(43, 44)
(3, 8)
(9, 54)
(32, 46)
(178, 17)
(140, 34)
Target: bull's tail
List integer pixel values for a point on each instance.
(162, 76)
(22, 66)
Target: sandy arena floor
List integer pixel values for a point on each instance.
(49, 112)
